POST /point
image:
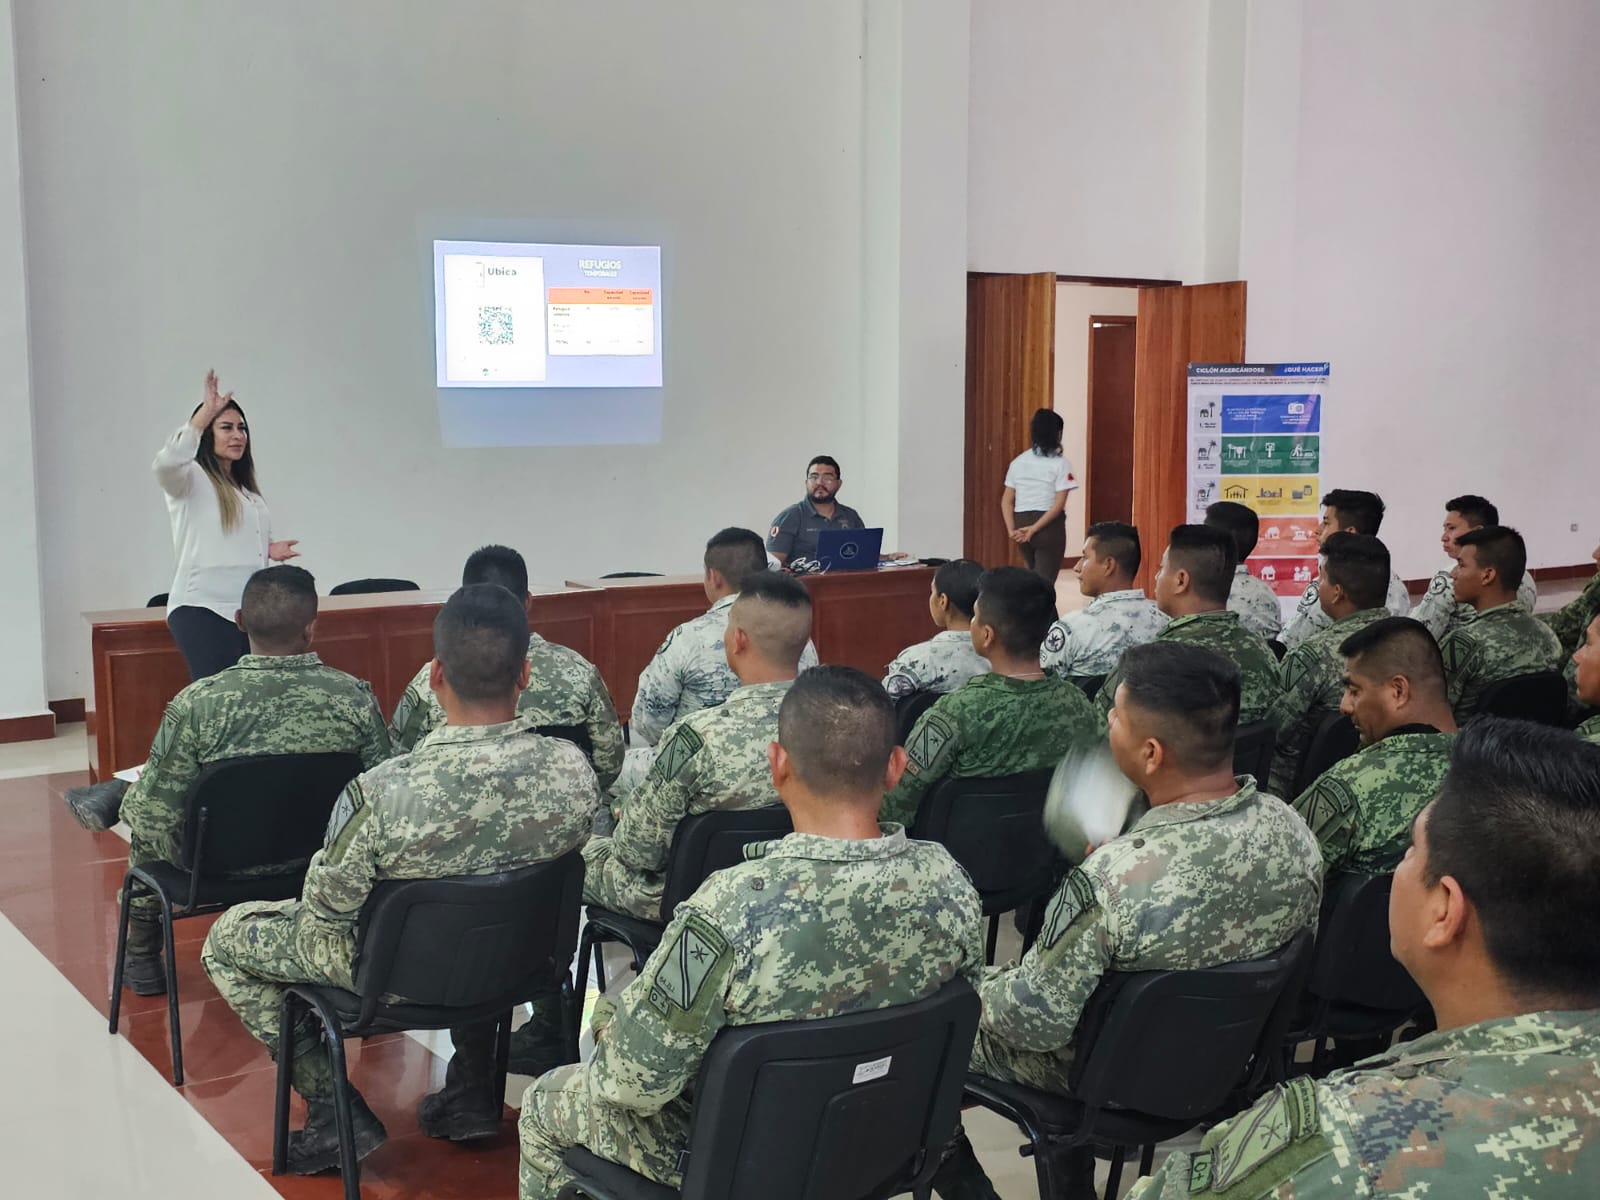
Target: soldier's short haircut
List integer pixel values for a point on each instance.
(1240, 522)
(1192, 695)
(1500, 547)
(1019, 606)
(1120, 541)
(1360, 565)
(774, 608)
(837, 726)
(957, 581)
(1209, 555)
(1360, 511)
(1474, 510)
(497, 564)
(278, 603)
(1397, 646)
(735, 553)
(1517, 825)
(480, 638)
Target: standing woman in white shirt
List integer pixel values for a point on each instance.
(221, 530)
(1034, 503)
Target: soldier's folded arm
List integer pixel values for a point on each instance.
(934, 742)
(644, 830)
(153, 807)
(1329, 808)
(342, 873)
(605, 732)
(375, 744)
(409, 714)
(656, 700)
(1037, 1003)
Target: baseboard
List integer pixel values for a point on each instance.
(68, 712)
(28, 729)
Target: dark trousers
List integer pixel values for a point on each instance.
(207, 642)
(1044, 551)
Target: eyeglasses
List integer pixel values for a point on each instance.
(815, 477)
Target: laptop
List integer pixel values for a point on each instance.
(849, 549)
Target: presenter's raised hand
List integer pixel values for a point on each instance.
(283, 551)
(211, 404)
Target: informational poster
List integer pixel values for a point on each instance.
(1255, 437)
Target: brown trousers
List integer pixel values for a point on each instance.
(1043, 553)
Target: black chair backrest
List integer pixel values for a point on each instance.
(995, 829)
(1352, 964)
(907, 709)
(1334, 739)
(1277, 648)
(1089, 684)
(711, 841)
(469, 940)
(845, 1108)
(361, 587)
(1253, 747)
(159, 600)
(1541, 697)
(1174, 1044)
(261, 810)
(633, 575)
(578, 735)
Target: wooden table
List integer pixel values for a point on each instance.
(859, 619)
(382, 638)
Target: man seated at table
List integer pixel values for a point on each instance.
(1088, 644)
(946, 660)
(564, 688)
(901, 921)
(713, 759)
(1254, 600)
(1501, 641)
(1360, 809)
(795, 529)
(1015, 718)
(1492, 914)
(1192, 588)
(1216, 872)
(480, 794)
(278, 699)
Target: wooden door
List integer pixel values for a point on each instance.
(1108, 474)
(1010, 372)
(1177, 326)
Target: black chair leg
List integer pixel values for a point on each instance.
(586, 945)
(349, 1168)
(280, 1105)
(571, 1018)
(1147, 1160)
(1119, 1155)
(502, 1056)
(993, 939)
(174, 1028)
(122, 949)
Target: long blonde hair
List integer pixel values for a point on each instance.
(244, 471)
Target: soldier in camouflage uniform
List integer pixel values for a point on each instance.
(1014, 719)
(713, 759)
(1347, 511)
(1439, 609)
(278, 699)
(903, 920)
(481, 794)
(1216, 872)
(1253, 599)
(1504, 1100)
(564, 688)
(690, 669)
(1501, 641)
(1350, 585)
(1361, 808)
(1586, 674)
(1569, 623)
(1087, 644)
(947, 660)
(1192, 588)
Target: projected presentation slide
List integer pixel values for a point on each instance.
(525, 315)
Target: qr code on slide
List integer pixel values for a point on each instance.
(494, 327)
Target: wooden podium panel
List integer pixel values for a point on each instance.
(635, 616)
(382, 638)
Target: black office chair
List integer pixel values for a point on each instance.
(845, 1108)
(461, 951)
(1355, 988)
(362, 587)
(1540, 697)
(1159, 1051)
(1090, 685)
(159, 600)
(1277, 648)
(241, 814)
(633, 575)
(907, 710)
(995, 829)
(1333, 740)
(1253, 747)
(578, 735)
(702, 843)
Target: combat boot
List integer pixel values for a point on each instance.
(315, 1148)
(97, 805)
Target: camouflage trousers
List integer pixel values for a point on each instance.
(558, 1113)
(615, 885)
(1042, 1069)
(253, 951)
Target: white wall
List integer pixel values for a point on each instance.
(249, 186)
(1075, 304)
(1419, 209)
